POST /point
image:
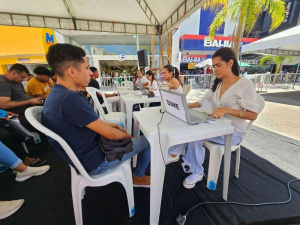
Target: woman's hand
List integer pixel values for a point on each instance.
(219, 112)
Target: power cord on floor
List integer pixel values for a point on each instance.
(182, 219)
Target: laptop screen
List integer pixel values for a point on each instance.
(174, 105)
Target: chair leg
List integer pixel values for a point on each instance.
(76, 196)
(215, 160)
(237, 163)
(134, 160)
(129, 187)
(25, 147)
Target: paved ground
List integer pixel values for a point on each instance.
(275, 135)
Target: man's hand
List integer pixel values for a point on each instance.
(219, 112)
(117, 126)
(12, 114)
(35, 101)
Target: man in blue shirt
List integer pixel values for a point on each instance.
(68, 113)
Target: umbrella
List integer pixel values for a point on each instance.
(242, 64)
(206, 62)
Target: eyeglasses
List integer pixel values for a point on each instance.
(21, 76)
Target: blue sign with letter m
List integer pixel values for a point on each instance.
(49, 38)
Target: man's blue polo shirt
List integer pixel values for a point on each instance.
(67, 113)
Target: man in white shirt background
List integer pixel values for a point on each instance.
(141, 79)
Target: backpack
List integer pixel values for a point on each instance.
(114, 149)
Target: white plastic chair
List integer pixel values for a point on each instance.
(217, 152)
(116, 83)
(120, 174)
(113, 117)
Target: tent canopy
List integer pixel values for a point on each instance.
(117, 16)
(285, 43)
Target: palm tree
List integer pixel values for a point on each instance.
(278, 60)
(246, 13)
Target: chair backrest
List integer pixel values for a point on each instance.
(93, 92)
(34, 116)
(116, 83)
(261, 105)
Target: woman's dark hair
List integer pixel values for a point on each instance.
(226, 55)
(151, 74)
(93, 69)
(61, 56)
(41, 70)
(175, 72)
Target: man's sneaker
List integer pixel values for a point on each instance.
(31, 171)
(8, 208)
(171, 159)
(191, 180)
(143, 181)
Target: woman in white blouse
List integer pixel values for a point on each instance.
(232, 97)
(171, 75)
(153, 86)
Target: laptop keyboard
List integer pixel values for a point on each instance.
(195, 118)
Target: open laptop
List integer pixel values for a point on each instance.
(176, 105)
(144, 91)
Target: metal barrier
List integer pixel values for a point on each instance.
(262, 82)
(202, 82)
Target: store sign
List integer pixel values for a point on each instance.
(193, 58)
(216, 43)
(251, 61)
(121, 58)
(203, 43)
(49, 39)
(23, 59)
(287, 11)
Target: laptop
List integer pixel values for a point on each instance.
(144, 91)
(176, 105)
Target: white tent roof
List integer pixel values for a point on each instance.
(284, 43)
(118, 16)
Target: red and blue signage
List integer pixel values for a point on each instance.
(202, 42)
(121, 57)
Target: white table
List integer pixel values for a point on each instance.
(129, 101)
(171, 133)
(124, 91)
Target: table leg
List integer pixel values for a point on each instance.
(129, 107)
(122, 105)
(157, 181)
(227, 160)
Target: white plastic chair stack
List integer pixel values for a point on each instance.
(113, 117)
(120, 174)
(217, 152)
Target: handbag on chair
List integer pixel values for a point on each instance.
(114, 149)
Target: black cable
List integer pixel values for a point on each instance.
(182, 219)
(162, 155)
(171, 203)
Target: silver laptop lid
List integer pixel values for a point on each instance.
(174, 104)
